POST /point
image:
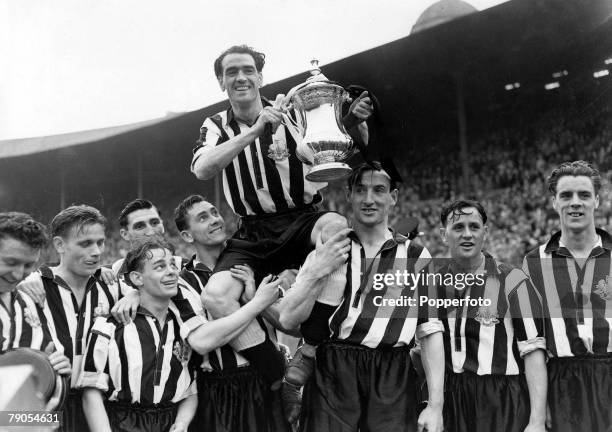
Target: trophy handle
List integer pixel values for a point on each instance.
(304, 153)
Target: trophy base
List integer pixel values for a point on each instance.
(329, 171)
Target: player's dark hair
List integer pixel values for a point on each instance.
(77, 216)
(22, 227)
(136, 257)
(456, 209)
(575, 168)
(132, 206)
(259, 58)
(180, 212)
(364, 167)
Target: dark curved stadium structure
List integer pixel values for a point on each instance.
(465, 110)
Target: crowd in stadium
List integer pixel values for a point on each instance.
(508, 172)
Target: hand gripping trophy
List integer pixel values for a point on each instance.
(324, 144)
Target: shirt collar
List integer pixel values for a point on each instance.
(146, 313)
(555, 245)
(47, 273)
(487, 267)
(396, 238)
(197, 266)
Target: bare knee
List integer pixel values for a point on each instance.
(221, 295)
(328, 225)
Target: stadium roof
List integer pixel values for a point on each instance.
(520, 40)
(26, 146)
(441, 12)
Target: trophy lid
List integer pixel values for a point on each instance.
(316, 78)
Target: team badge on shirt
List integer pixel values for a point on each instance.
(602, 289)
(31, 318)
(181, 351)
(487, 318)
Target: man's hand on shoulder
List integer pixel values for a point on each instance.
(33, 286)
(331, 254)
(108, 275)
(125, 308)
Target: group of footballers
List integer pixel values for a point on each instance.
(160, 342)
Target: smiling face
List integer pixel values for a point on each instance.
(575, 201)
(158, 276)
(81, 248)
(17, 260)
(372, 199)
(205, 225)
(142, 224)
(240, 78)
(465, 235)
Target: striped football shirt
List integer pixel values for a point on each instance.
(69, 320)
(24, 325)
(358, 320)
(222, 358)
(491, 340)
(253, 183)
(144, 362)
(576, 296)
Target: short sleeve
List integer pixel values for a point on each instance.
(526, 313)
(187, 305)
(210, 136)
(94, 369)
(428, 320)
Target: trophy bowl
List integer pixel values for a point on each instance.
(49, 385)
(325, 142)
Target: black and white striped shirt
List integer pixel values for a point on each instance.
(577, 296)
(358, 320)
(144, 362)
(25, 326)
(69, 320)
(253, 183)
(491, 340)
(222, 358)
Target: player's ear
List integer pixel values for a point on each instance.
(394, 194)
(260, 78)
(136, 278)
(348, 192)
(59, 244)
(186, 235)
(597, 201)
(221, 82)
(443, 234)
(486, 232)
(124, 234)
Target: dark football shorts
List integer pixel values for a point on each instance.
(237, 400)
(359, 388)
(134, 418)
(580, 393)
(271, 243)
(73, 417)
(484, 403)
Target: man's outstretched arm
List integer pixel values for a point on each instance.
(214, 334)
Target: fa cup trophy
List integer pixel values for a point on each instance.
(325, 143)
